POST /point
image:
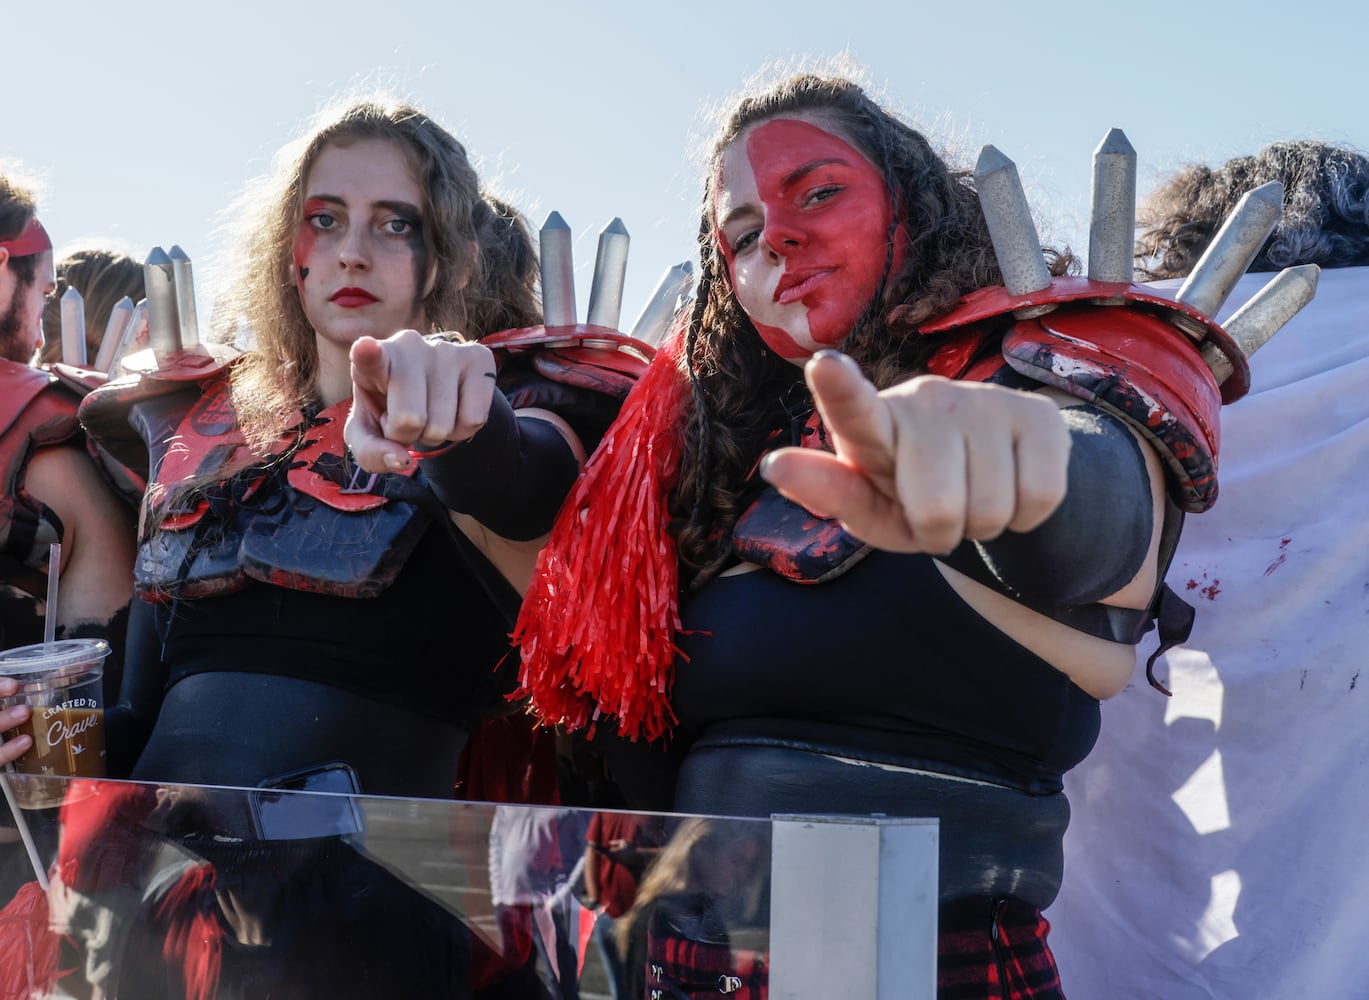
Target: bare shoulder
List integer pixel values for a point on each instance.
(65, 478)
(97, 534)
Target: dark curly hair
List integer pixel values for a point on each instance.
(1325, 217)
(743, 394)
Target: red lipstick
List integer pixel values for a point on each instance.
(352, 298)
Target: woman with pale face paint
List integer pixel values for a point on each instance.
(897, 644)
(307, 602)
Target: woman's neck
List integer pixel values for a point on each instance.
(334, 382)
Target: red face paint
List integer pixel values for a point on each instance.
(307, 236)
(804, 222)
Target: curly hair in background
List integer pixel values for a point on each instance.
(1325, 217)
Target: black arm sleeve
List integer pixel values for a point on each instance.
(128, 724)
(114, 632)
(1097, 539)
(511, 476)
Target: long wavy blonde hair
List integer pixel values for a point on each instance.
(485, 272)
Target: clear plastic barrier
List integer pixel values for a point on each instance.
(190, 891)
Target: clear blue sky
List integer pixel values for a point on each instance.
(144, 120)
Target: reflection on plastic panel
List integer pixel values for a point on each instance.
(192, 891)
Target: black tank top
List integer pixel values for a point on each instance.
(885, 663)
(431, 643)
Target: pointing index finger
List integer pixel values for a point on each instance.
(370, 365)
(851, 410)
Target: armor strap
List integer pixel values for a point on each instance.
(1126, 625)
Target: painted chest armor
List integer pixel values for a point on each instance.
(301, 516)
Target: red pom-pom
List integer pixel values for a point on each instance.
(29, 950)
(597, 627)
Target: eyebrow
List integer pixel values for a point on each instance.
(736, 213)
(398, 207)
(797, 174)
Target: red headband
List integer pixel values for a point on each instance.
(32, 240)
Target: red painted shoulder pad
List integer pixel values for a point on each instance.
(106, 412)
(996, 301)
(1140, 367)
(585, 356)
(20, 385)
(36, 411)
(957, 351)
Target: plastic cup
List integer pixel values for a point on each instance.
(61, 684)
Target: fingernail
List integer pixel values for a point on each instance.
(396, 461)
(764, 469)
(838, 356)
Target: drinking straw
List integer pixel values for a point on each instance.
(50, 615)
(25, 834)
(49, 637)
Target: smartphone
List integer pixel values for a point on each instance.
(283, 807)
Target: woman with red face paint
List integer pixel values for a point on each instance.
(905, 648)
(297, 610)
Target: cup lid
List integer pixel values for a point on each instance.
(40, 659)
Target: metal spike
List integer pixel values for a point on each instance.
(558, 272)
(130, 338)
(1264, 315)
(610, 270)
(653, 322)
(73, 328)
(185, 297)
(115, 327)
(163, 314)
(1232, 249)
(1015, 241)
(1112, 221)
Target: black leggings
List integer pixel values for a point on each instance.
(238, 728)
